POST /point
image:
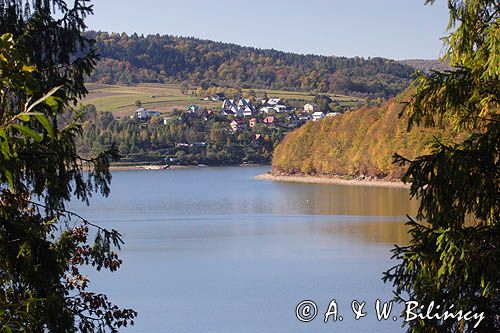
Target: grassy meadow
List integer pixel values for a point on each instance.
(120, 99)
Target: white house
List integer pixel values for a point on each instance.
(333, 114)
(274, 101)
(267, 109)
(226, 113)
(237, 111)
(280, 108)
(318, 116)
(238, 125)
(193, 108)
(227, 104)
(248, 111)
(310, 107)
(304, 117)
(145, 114)
(244, 102)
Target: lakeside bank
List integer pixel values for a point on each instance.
(135, 167)
(332, 180)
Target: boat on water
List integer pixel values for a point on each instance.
(156, 167)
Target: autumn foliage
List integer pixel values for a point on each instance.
(361, 142)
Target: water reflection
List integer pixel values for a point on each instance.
(214, 198)
(388, 232)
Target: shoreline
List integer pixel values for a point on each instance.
(143, 167)
(333, 181)
(173, 167)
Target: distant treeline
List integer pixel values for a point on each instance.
(168, 59)
(360, 142)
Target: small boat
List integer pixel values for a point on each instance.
(157, 167)
(202, 165)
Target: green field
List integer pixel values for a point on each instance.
(120, 99)
(308, 96)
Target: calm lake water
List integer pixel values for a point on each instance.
(215, 250)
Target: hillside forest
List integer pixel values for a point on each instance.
(360, 143)
(133, 59)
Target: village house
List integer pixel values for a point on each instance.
(225, 113)
(333, 114)
(274, 101)
(239, 125)
(227, 104)
(280, 108)
(304, 117)
(249, 111)
(318, 116)
(310, 107)
(243, 108)
(267, 110)
(145, 114)
(269, 120)
(193, 108)
(238, 112)
(252, 122)
(244, 102)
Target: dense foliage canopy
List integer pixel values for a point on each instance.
(43, 61)
(154, 58)
(186, 138)
(360, 142)
(454, 256)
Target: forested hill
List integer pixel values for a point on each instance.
(155, 58)
(426, 65)
(360, 142)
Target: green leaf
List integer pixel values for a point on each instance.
(43, 98)
(53, 101)
(4, 145)
(23, 117)
(42, 119)
(28, 132)
(8, 175)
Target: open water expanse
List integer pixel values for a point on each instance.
(215, 250)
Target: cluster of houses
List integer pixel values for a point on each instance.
(244, 107)
(272, 112)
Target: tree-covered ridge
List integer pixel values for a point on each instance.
(360, 142)
(163, 58)
(427, 66)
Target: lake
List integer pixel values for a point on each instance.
(215, 250)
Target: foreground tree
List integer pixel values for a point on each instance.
(43, 61)
(454, 256)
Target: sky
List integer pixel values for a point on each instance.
(395, 29)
